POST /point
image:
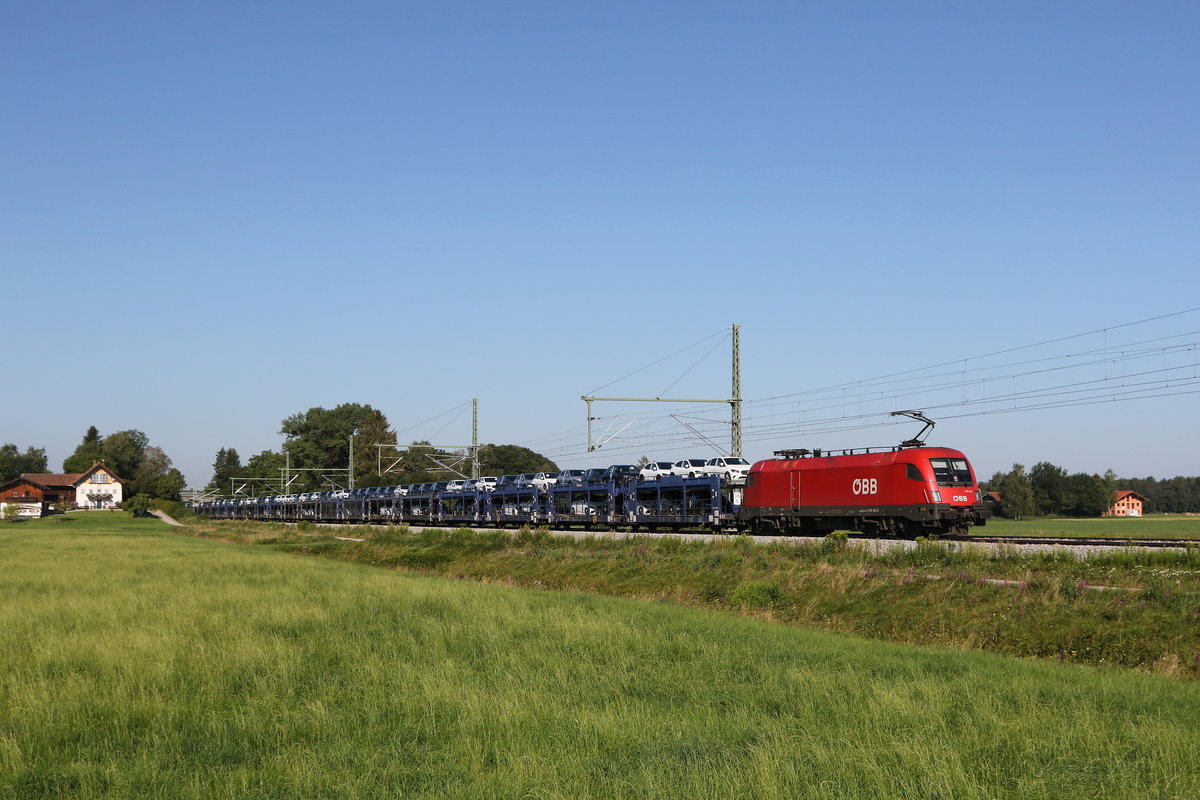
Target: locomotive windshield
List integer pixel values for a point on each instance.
(951, 471)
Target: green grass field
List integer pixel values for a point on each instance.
(1154, 526)
(138, 662)
(1128, 607)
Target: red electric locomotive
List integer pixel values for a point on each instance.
(909, 490)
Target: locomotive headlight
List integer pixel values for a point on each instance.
(937, 496)
(978, 496)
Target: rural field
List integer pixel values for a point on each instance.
(140, 661)
(1152, 526)
(1134, 608)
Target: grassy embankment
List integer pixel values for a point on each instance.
(1049, 605)
(135, 662)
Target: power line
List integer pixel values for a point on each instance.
(435, 416)
(990, 355)
(800, 413)
(659, 361)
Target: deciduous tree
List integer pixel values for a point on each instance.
(319, 439)
(511, 459)
(13, 462)
(1049, 487)
(122, 452)
(1016, 492)
(372, 431)
(266, 467)
(89, 451)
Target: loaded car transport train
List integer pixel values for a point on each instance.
(904, 491)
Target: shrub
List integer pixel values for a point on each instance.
(835, 540)
(757, 594)
(139, 505)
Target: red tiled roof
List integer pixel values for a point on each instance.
(49, 479)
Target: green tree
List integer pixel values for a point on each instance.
(89, 451)
(14, 463)
(139, 505)
(511, 459)
(1089, 498)
(155, 476)
(122, 452)
(168, 485)
(1016, 492)
(414, 464)
(1049, 488)
(1110, 488)
(372, 431)
(228, 465)
(261, 471)
(319, 439)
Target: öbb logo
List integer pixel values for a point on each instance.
(866, 485)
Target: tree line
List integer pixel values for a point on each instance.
(321, 443)
(144, 468)
(1049, 490)
(14, 463)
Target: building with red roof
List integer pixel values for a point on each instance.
(1127, 504)
(99, 487)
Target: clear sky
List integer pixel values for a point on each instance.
(218, 214)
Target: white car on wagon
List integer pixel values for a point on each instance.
(731, 468)
(655, 470)
(690, 467)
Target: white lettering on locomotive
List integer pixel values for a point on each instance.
(865, 486)
(960, 498)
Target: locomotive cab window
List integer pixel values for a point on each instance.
(951, 471)
(913, 473)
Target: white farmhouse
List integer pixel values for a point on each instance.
(98, 488)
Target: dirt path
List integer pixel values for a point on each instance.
(167, 518)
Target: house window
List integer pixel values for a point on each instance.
(100, 477)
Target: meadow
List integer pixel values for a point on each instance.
(141, 662)
(1131, 608)
(1151, 526)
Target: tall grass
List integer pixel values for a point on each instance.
(1132, 608)
(135, 663)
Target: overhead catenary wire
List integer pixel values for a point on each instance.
(1128, 374)
(721, 333)
(998, 352)
(435, 416)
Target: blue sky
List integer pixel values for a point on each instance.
(218, 215)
